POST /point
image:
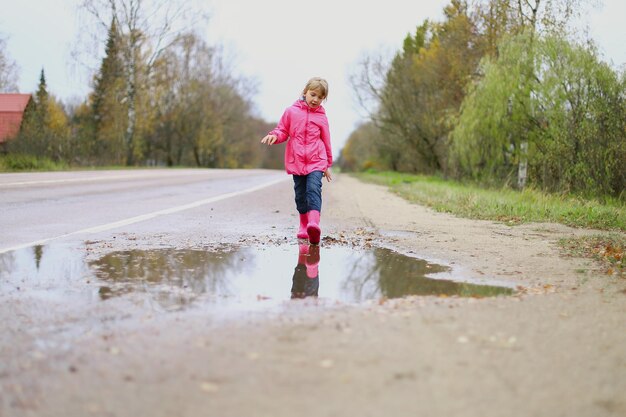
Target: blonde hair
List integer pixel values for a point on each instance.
(317, 83)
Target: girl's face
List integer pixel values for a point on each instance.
(313, 98)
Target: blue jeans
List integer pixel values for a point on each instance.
(308, 190)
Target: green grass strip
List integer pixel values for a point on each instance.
(505, 205)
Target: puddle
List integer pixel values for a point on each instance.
(245, 277)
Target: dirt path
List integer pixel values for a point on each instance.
(557, 349)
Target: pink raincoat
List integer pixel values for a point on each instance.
(308, 147)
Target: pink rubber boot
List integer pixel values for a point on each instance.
(312, 262)
(303, 252)
(304, 221)
(313, 228)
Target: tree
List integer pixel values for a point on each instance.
(368, 83)
(146, 29)
(491, 123)
(271, 157)
(33, 137)
(580, 104)
(571, 114)
(41, 99)
(82, 128)
(526, 20)
(361, 151)
(109, 108)
(511, 17)
(419, 94)
(526, 14)
(44, 131)
(8, 70)
(203, 114)
(416, 99)
(182, 86)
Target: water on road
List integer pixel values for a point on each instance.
(232, 276)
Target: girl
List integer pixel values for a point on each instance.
(308, 156)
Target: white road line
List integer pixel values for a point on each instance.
(144, 217)
(84, 179)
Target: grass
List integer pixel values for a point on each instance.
(517, 207)
(505, 205)
(29, 163)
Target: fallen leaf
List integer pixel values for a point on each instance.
(327, 363)
(209, 387)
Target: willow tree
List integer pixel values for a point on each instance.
(581, 111)
(500, 114)
(572, 115)
(493, 118)
(525, 17)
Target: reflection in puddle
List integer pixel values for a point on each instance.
(251, 274)
(306, 277)
(174, 279)
(50, 271)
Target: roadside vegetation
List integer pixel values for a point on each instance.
(515, 207)
(18, 163)
(499, 92)
(508, 102)
(160, 95)
(508, 99)
(30, 163)
(503, 204)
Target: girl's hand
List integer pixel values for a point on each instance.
(269, 139)
(328, 174)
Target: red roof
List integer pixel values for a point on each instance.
(11, 112)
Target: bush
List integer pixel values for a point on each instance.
(21, 162)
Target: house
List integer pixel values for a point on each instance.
(12, 108)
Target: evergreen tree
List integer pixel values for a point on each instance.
(33, 138)
(107, 103)
(41, 103)
(44, 131)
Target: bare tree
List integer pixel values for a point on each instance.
(8, 70)
(147, 29)
(541, 15)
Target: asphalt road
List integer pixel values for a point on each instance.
(69, 348)
(37, 208)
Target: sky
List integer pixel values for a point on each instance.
(279, 44)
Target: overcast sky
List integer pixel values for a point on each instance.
(279, 43)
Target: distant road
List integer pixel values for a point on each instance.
(39, 207)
